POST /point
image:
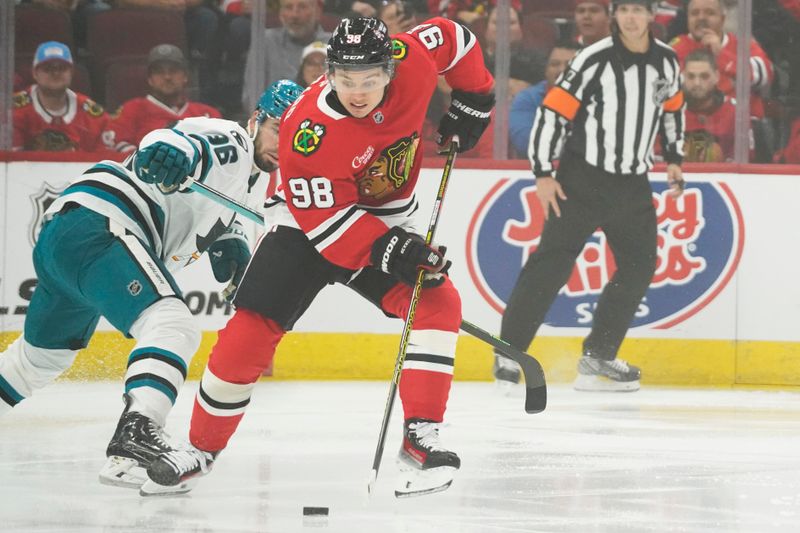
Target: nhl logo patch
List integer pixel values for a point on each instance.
(308, 138)
(134, 287)
(660, 91)
(378, 117)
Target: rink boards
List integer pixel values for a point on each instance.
(722, 310)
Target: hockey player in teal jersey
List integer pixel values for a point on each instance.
(109, 246)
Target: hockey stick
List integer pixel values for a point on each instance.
(535, 384)
(415, 295)
(536, 389)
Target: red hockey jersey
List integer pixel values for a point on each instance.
(139, 116)
(346, 179)
(83, 126)
(719, 122)
(761, 73)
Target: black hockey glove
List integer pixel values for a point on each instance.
(468, 116)
(163, 164)
(400, 254)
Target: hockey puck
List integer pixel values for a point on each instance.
(315, 511)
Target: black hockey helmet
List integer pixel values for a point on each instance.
(361, 43)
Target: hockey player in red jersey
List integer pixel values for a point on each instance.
(350, 157)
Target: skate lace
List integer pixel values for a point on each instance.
(427, 434)
(186, 460)
(619, 365)
(158, 434)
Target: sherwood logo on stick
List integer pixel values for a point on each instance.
(700, 240)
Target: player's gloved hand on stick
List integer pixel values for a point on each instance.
(161, 163)
(401, 254)
(468, 116)
(229, 258)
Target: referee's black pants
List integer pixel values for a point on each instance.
(622, 206)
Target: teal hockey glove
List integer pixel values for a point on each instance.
(229, 258)
(161, 163)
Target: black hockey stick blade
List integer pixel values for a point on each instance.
(535, 384)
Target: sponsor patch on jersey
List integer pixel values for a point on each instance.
(700, 241)
(308, 138)
(390, 170)
(93, 108)
(399, 50)
(21, 99)
(41, 201)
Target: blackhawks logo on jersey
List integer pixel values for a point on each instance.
(92, 108)
(399, 50)
(390, 170)
(21, 99)
(308, 138)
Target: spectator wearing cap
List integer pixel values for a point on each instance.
(284, 46)
(167, 77)
(50, 116)
(592, 21)
(706, 20)
(466, 11)
(313, 64)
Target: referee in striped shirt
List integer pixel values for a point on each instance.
(607, 108)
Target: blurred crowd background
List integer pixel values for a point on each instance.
(96, 75)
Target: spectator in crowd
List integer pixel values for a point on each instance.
(592, 21)
(791, 152)
(313, 64)
(706, 19)
(526, 102)
(466, 11)
(50, 116)
(167, 77)
(527, 65)
(284, 45)
(398, 16)
(710, 114)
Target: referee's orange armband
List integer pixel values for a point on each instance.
(562, 102)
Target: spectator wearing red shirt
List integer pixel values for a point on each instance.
(50, 116)
(710, 114)
(466, 11)
(168, 77)
(706, 19)
(791, 152)
(592, 21)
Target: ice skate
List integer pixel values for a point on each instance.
(176, 472)
(506, 371)
(425, 465)
(137, 442)
(600, 375)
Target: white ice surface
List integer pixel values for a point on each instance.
(656, 460)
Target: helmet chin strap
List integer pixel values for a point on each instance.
(252, 130)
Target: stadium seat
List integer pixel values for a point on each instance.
(121, 33)
(125, 78)
(34, 25)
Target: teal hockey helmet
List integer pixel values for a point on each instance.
(278, 96)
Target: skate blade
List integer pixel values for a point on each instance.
(151, 488)
(415, 482)
(122, 472)
(586, 383)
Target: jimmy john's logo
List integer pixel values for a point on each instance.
(308, 138)
(399, 50)
(390, 170)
